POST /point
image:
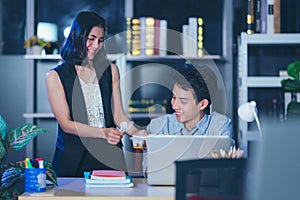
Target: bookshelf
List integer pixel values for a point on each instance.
(219, 50)
(218, 22)
(260, 59)
(217, 39)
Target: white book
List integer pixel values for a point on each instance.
(270, 17)
(185, 40)
(264, 16)
(298, 96)
(163, 37)
(193, 28)
(109, 181)
(131, 184)
(283, 73)
(143, 35)
(287, 100)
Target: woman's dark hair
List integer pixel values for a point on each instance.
(189, 77)
(74, 48)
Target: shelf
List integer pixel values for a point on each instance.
(262, 39)
(264, 81)
(38, 115)
(172, 58)
(132, 115)
(43, 57)
(144, 115)
(58, 57)
(265, 84)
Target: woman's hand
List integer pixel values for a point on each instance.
(113, 135)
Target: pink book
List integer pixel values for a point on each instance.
(156, 36)
(108, 174)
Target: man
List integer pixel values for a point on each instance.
(191, 102)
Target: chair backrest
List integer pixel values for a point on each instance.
(211, 179)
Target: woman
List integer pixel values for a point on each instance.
(85, 97)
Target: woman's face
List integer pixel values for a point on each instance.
(94, 42)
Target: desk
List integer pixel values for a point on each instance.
(74, 188)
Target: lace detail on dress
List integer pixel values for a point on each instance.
(93, 102)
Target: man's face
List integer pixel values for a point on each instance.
(185, 106)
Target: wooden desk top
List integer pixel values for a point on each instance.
(74, 188)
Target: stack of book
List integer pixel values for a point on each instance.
(146, 36)
(263, 16)
(107, 178)
(145, 105)
(192, 37)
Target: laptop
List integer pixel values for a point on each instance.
(164, 150)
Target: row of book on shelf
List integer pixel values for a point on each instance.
(147, 105)
(148, 36)
(263, 16)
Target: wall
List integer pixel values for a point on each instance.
(13, 103)
(13, 94)
(45, 143)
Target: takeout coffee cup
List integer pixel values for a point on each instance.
(138, 142)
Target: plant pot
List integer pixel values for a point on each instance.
(36, 50)
(49, 50)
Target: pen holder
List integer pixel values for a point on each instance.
(35, 179)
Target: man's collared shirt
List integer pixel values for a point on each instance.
(213, 124)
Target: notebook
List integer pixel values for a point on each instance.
(164, 150)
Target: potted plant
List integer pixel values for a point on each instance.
(36, 44)
(292, 84)
(50, 47)
(12, 174)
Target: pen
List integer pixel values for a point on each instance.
(29, 165)
(34, 163)
(40, 162)
(25, 163)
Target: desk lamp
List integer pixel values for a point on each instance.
(248, 112)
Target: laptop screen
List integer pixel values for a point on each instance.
(164, 150)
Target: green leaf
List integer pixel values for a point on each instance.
(290, 84)
(2, 151)
(50, 173)
(19, 137)
(293, 70)
(3, 128)
(293, 110)
(12, 174)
